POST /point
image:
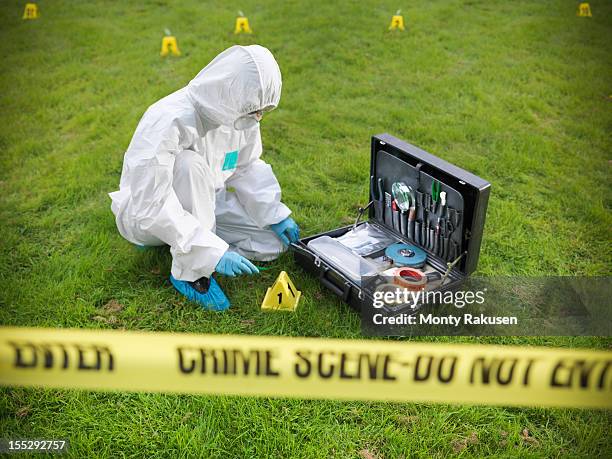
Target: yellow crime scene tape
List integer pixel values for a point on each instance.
(305, 367)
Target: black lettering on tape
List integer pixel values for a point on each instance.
(386, 363)
(377, 366)
(501, 371)
(269, 370)
(443, 367)
(343, 370)
(561, 376)
(182, 367)
(371, 365)
(604, 372)
(248, 361)
(226, 361)
(345, 365)
(225, 366)
(422, 370)
(21, 359)
(580, 373)
(585, 369)
(527, 372)
(450, 372)
(330, 369)
(55, 355)
(100, 352)
(509, 366)
(302, 367)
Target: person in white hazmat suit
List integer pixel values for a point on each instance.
(193, 179)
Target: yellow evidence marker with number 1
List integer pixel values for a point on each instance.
(282, 295)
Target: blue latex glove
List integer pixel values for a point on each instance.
(231, 264)
(287, 230)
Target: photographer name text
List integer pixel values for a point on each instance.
(430, 319)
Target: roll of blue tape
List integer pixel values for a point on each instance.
(406, 255)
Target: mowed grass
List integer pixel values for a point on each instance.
(517, 92)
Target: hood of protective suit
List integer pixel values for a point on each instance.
(239, 81)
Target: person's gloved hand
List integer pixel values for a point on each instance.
(287, 230)
(232, 264)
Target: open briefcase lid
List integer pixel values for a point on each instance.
(395, 160)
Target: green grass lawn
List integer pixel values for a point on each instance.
(518, 92)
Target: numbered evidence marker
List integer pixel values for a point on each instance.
(584, 10)
(30, 11)
(169, 46)
(397, 21)
(242, 25)
(282, 295)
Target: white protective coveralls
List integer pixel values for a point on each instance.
(193, 181)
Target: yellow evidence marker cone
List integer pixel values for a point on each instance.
(30, 11)
(169, 45)
(584, 10)
(242, 24)
(397, 21)
(282, 295)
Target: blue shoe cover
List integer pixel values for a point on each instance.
(213, 300)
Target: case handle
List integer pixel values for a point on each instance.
(339, 291)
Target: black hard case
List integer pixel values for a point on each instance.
(395, 160)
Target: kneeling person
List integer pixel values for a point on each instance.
(193, 178)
